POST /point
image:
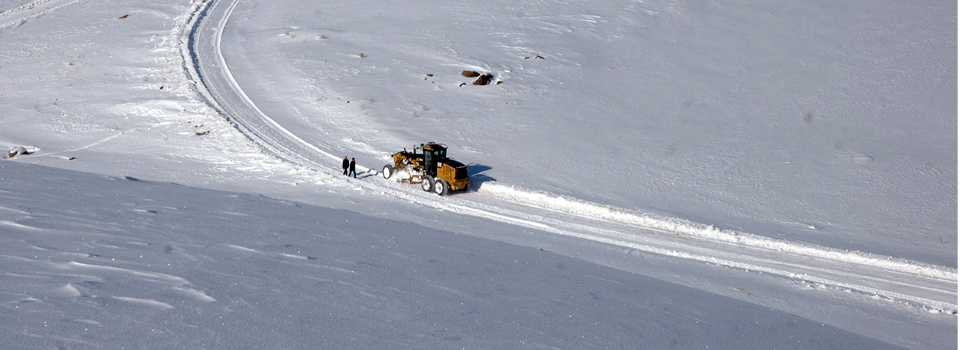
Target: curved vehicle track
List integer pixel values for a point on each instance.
(29, 10)
(932, 288)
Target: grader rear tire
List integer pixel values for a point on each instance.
(427, 184)
(441, 187)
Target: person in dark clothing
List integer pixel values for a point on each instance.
(346, 164)
(353, 167)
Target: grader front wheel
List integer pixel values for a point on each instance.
(387, 171)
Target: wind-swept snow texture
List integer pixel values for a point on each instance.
(91, 261)
(796, 157)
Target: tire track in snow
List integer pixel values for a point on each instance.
(30, 10)
(923, 285)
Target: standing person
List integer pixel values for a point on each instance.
(353, 167)
(346, 164)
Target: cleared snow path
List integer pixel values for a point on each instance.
(930, 287)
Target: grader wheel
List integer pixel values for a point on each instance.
(427, 184)
(387, 171)
(441, 187)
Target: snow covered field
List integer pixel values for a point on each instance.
(649, 174)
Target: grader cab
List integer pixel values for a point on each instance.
(429, 167)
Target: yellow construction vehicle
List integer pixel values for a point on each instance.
(429, 167)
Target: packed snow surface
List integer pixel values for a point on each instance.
(652, 174)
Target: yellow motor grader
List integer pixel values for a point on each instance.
(429, 167)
